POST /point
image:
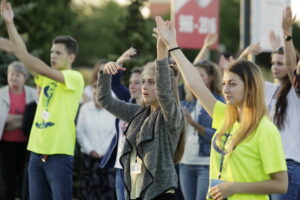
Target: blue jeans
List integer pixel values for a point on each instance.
(120, 188)
(194, 180)
(293, 192)
(50, 180)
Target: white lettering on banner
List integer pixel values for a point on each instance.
(186, 24)
(206, 25)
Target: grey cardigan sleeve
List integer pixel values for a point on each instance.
(166, 98)
(120, 109)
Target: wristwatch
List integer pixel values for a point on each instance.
(288, 38)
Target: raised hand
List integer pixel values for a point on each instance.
(210, 39)
(112, 68)
(155, 33)
(162, 50)
(253, 49)
(274, 40)
(7, 45)
(6, 11)
(126, 56)
(224, 62)
(166, 31)
(287, 20)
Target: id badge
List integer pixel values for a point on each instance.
(212, 183)
(137, 168)
(45, 115)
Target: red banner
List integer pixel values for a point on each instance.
(194, 19)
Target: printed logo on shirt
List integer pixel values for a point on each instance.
(48, 93)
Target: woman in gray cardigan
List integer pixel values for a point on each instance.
(155, 134)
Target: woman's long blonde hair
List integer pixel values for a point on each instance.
(150, 68)
(254, 107)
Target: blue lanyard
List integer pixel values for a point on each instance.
(223, 153)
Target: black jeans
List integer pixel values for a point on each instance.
(12, 161)
(165, 196)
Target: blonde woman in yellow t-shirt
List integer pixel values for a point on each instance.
(247, 160)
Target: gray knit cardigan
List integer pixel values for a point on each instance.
(156, 143)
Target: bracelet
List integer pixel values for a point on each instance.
(287, 38)
(173, 49)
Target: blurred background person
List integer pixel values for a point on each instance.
(13, 100)
(95, 130)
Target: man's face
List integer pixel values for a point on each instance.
(60, 58)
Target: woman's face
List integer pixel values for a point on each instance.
(135, 84)
(233, 89)
(148, 88)
(207, 79)
(278, 68)
(15, 79)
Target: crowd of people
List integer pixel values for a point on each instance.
(180, 130)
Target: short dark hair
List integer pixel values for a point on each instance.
(69, 42)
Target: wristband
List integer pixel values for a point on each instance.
(288, 38)
(173, 49)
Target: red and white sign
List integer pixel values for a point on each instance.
(194, 19)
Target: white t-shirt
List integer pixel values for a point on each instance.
(291, 132)
(192, 146)
(95, 129)
(121, 141)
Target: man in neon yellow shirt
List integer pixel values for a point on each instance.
(52, 138)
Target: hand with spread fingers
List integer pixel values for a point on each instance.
(6, 11)
(112, 68)
(287, 21)
(126, 56)
(166, 31)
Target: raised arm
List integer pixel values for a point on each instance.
(32, 63)
(289, 49)
(120, 109)
(7, 15)
(275, 40)
(165, 95)
(190, 75)
(252, 49)
(209, 40)
(119, 89)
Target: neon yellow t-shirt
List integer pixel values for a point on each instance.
(53, 129)
(253, 160)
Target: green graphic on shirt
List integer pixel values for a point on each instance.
(46, 99)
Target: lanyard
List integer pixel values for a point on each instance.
(223, 155)
(221, 151)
